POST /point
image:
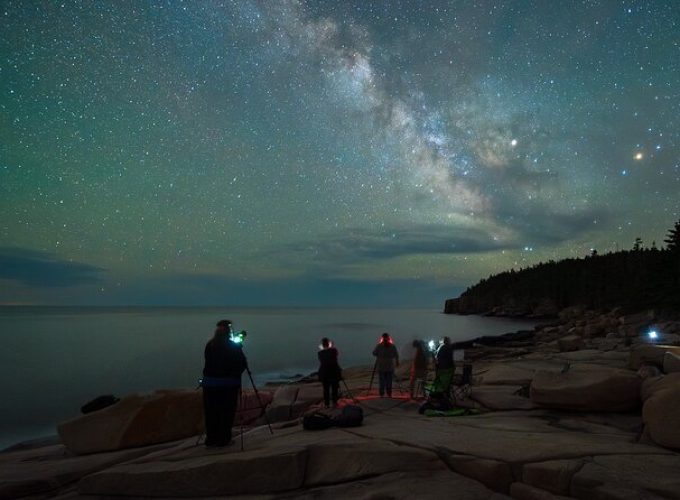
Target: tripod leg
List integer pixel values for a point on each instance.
(351, 396)
(240, 395)
(370, 384)
(257, 395)
(401, 389)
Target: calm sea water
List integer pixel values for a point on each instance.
(53, 360)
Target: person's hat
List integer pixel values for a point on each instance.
(224, 323)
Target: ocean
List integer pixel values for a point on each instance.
(55, 359)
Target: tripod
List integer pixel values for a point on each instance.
(351, 396)
(394, 378)
(259, 400)
(370, 384)
(257, 395)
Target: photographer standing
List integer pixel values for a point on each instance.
(224, 364)
(387, 358)
(445, 365)
(330, 373)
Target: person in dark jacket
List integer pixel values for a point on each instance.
(387, 359)
(445, 366)
(330, 373)
(444, 357)
(224, 364)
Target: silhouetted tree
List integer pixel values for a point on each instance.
(637, 246)
(672, 240)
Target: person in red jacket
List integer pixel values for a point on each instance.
(387, 359)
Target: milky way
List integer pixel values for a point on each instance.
(341, 153)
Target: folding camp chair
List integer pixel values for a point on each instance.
(463, 387)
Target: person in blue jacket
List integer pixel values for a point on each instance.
(224, 364)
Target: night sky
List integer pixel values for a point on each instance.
(326, 152)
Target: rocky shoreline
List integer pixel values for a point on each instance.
(586, 406)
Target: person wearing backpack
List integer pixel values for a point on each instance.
(386, 360)
(330, 373)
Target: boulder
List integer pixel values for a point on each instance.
(423, 485)
(576, 330)
(505, 373)
(637, 319)
(587, 388)
(500, 397)
(593, 330)
(493, 474)
(214, 475)
(280, 409)
(572, 312)
(570, 343)
(251, 407)
(141, 420)
(628, 477)
(650, 353)
(629, 330)
(311, 393)
(521, 491)
(661, 414)
(671, 362)
(652, 385)
(648, 371)
(670, 338)
(340, 463)
(136, 420)
(42, 472)
(553, 475)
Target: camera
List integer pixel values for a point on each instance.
(238, 337)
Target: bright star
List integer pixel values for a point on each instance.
(638, 156)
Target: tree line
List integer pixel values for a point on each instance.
(635, 279)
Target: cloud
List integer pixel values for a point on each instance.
(42, 269)
(539, 226)
(216, 289)
(363, 244)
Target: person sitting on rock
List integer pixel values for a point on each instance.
(387, 358)
(330, 373)
(224, 364)
(418, 366)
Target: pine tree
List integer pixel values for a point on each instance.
(637, 246)
(672, 240)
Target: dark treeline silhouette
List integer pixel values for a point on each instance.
(634, 279)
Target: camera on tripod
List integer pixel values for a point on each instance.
(238, 337)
